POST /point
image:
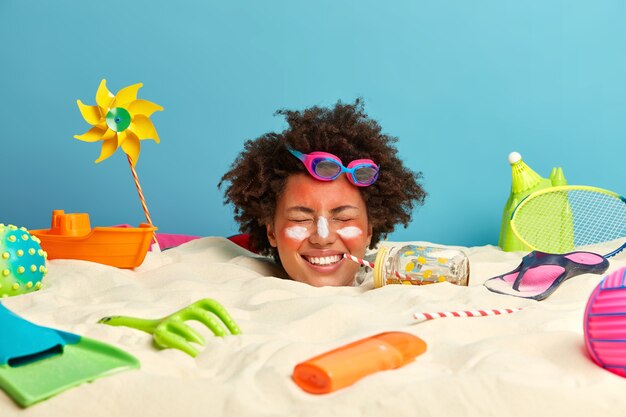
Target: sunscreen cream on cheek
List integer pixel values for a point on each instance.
(298, 233)
(349, 232)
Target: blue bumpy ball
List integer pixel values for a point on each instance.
(22, 261)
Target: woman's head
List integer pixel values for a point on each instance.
(305, 223)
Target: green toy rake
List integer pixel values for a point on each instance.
(172, 332)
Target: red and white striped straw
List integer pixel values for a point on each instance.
(143, 199)
(359, 260)
(466, 313)
(371, 265)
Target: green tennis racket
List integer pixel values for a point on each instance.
(561, 219)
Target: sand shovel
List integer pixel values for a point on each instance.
(172, 332)
(38, 362)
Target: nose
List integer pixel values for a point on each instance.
(323, 234)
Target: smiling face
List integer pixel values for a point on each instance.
(315, 223)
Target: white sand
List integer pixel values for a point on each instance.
(532, 363)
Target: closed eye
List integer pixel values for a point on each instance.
(301, 221)
(342, 219)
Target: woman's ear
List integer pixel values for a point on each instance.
(271, 235)
(370, 230)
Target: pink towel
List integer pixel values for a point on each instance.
(167, 240)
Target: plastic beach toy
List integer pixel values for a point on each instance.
(22, 261)
(561, 219)
(172, 332)
(604, 323)
(524, 181)
(71, 237)
(347, 364)
(121, 120)
(39, 362)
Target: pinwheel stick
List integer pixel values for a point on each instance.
(143, 201)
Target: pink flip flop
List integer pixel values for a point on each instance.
(540, 273)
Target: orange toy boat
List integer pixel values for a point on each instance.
(71, 237)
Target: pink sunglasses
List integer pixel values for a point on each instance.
(325, 166)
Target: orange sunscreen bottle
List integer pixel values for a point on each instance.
(347, 364)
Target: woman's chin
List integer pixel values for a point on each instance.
(330, 281)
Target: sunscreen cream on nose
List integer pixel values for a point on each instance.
(322, 227)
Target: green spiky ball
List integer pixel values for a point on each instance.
(22, 261)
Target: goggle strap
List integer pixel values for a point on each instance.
(297, 154)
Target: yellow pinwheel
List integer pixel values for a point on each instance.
(119, 120)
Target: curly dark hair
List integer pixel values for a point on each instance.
(259, 174)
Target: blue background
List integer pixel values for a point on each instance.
(461, 83)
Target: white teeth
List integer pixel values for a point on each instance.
(325, 260)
